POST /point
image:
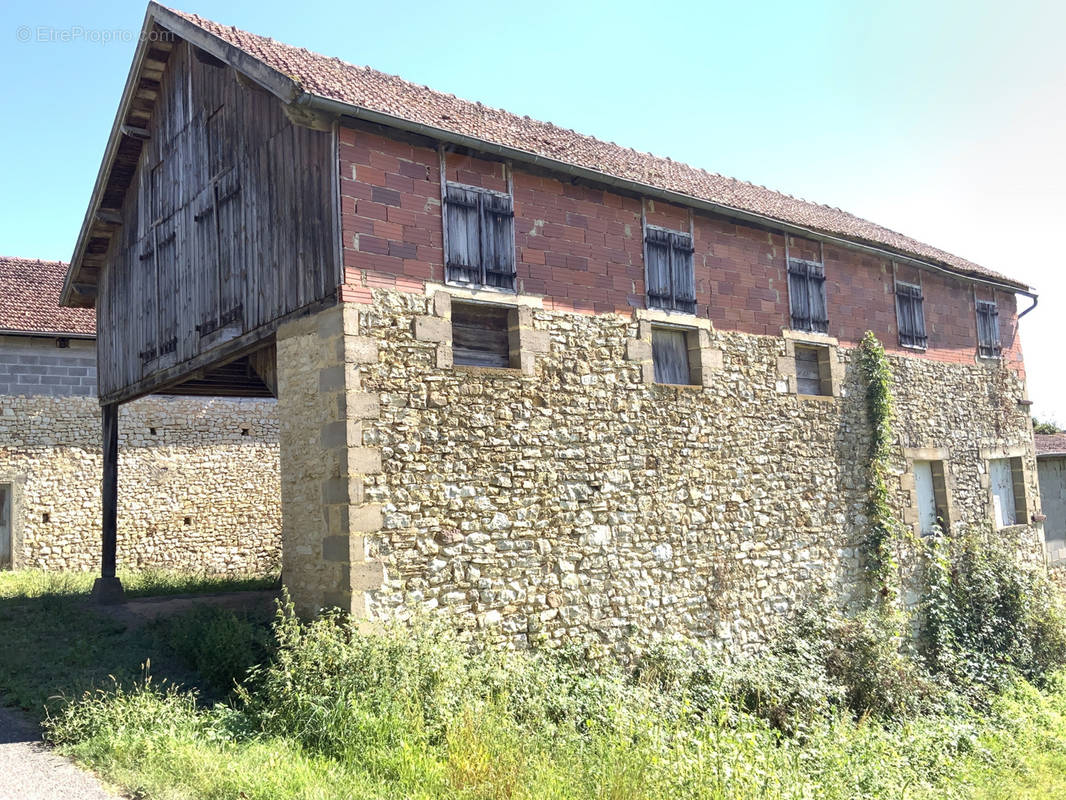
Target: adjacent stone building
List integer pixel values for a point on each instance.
(535, 382)
(199, 476)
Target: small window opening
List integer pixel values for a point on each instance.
(62, 342)
(46, 517)
(669, 353)
(152, 431)
(481, 335)
(245, 431)
(813, 370)
(188, 520)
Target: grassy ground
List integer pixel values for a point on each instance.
(343, 715)
(57, 644)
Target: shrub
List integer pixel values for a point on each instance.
(987, 614)
(218, 643)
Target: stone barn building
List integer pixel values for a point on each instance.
(199, 486)
(533, 381)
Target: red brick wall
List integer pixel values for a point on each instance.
(581, 249)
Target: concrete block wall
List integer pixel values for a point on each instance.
(35, 365)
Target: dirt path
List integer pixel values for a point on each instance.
(139, 611)
(31, 771)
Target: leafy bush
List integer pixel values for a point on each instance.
(987, 614)
(218, 643)
(819, 664)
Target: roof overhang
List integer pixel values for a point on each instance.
(46, 334)
(138, 96)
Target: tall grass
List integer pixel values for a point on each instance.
(30, 583)
(337, 713)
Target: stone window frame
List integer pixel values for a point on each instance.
(832, 367)
(911, 513)
(526, 342)
(1025, 505)
(704, 359)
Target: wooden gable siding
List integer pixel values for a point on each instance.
(227, 227)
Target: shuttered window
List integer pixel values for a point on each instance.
(481, 335)
(669, 353)
(479, 226)
(671, 279)
(988, 329)
(910, 315)
(806, 291)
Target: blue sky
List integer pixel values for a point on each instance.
(944, 120)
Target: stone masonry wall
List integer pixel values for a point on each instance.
(198, 483)
(572, 499)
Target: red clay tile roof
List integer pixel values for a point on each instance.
(389, 94)
(29, 299)
(1050, 444)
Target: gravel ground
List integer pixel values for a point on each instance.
(30, 771)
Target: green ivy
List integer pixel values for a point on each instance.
(881, 540)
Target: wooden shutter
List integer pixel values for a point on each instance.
(231, 247)
(683, 274)
(463, 259)
(669, 352)
(816, 294)
(480, 336)
(168, 287)
(497, 240)
(988, 343)
(808, 371)
(657, 246)
(910, 314)
(799, 295)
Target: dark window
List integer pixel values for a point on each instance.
(813, 374)
(671, 281)
(669, 352)
(806, 292)
(481, 335)
(910, 315)
(480, 237)
(988, 329)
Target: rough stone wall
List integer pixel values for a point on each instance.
(580, 502)
(201, 493)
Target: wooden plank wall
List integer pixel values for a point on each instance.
(227, 225)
